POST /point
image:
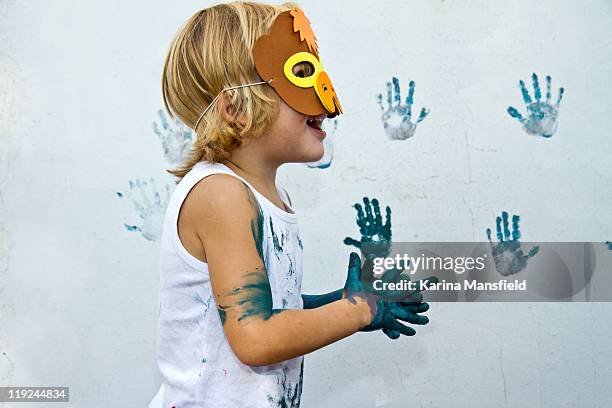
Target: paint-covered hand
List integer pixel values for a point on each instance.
(385, 306)
(375, 239)
(389, 314)
(508, 255)
(541, 116)
(396, 305)
(397, 118)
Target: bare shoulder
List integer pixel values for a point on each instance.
(219, 197)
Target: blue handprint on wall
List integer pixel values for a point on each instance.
(375, 239)
(150, 205)
(541, 117)
(397, 118)
(175, 139)
(507, 254)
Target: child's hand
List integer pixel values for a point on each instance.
(389, 314)
(375, 236)
(385, 313)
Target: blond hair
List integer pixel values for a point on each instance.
(213, 51)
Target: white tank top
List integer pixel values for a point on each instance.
(198, 367)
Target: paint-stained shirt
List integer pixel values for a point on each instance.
(198, 367)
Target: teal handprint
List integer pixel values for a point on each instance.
(375, 239)
(541, 118)
(176, 140)
(397, 118)
(150, 205)
(507, 254)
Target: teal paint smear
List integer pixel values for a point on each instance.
(609, 244)
(314, 301)
(278, 243)
(291, 270)
(202, 366)
(206, 303)
(257, 223)
(300, 243)
(222, 314)
(255, 297)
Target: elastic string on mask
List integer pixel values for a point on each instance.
(219, 94)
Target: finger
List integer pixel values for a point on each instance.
(515, 114)
(163, 119)
(506, 229)
(407, 316)
(368, 208)
(379, 99)
(561, 91)
(143, 184)
(391, 275)
(516, 234)
(500, 237)
(536, 87)
(377, 216)
(415, 307)
(396, 91)
(409, 99)
(360, 218)
(388, 219)
(548, 81)
(524, 92)
(488, 235)
(405, 330)
(413, 297)
(423, 114)
(533, 251)
(353, 242)
(389, 97)
(156, 130)
(392, 334)
(354, 270)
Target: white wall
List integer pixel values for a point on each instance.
(80, 90)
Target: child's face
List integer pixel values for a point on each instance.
(295, 137)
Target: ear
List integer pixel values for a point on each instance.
(228, 111)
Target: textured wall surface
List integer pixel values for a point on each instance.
(82, 188)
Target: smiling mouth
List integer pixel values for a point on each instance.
(315, 122)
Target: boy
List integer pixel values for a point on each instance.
(233, 324)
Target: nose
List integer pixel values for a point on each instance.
(327, 94)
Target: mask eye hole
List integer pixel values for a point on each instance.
(303, 69)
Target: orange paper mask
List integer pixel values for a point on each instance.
(292, 43)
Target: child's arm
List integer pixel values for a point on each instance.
(229, 224)
(314, 301)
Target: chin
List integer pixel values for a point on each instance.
(315, 153)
